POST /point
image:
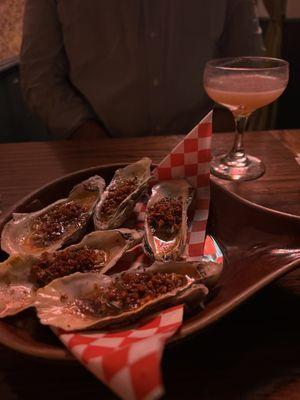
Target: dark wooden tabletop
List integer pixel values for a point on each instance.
(252, 354)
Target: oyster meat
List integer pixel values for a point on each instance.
(121, 195)
(91, 301)
(166, 222)
(58, 224)
(21, 276)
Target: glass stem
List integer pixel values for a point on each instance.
(237, 152)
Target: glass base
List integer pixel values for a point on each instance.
(243, 169)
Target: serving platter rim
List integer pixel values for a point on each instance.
(10, 338)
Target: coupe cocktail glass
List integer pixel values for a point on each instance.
(243, 84)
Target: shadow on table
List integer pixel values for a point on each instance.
(249, 355)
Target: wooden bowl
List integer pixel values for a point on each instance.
(259, 246)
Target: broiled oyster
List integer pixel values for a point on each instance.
(120, 197)
(17, 291)
(90, 301)
(58, 224)
(21, 276)
(166, 225)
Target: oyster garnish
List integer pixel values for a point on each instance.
(121, 195)
(90, 301)
(21, 276)
(166, 225)
(58, 224)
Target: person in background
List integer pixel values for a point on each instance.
(125, 68)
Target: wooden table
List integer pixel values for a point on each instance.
(252, 354)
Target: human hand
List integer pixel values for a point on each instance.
(89, 130)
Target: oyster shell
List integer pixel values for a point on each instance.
(17, 291)
(58, 224)
(90, 301)
(21, 276)
(121, 195)
(166, 225)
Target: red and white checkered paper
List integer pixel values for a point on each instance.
(128, 361)
(190, 159)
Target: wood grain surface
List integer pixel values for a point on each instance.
(252, 354)
(11, 21)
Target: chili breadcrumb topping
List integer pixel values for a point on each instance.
(55, 265)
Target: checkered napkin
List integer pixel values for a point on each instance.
(190, 159)
(128, 361)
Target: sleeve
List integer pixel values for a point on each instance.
(44, 71)
(242, 35)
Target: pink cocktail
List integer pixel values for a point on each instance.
(243, 85)
(242, 95)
